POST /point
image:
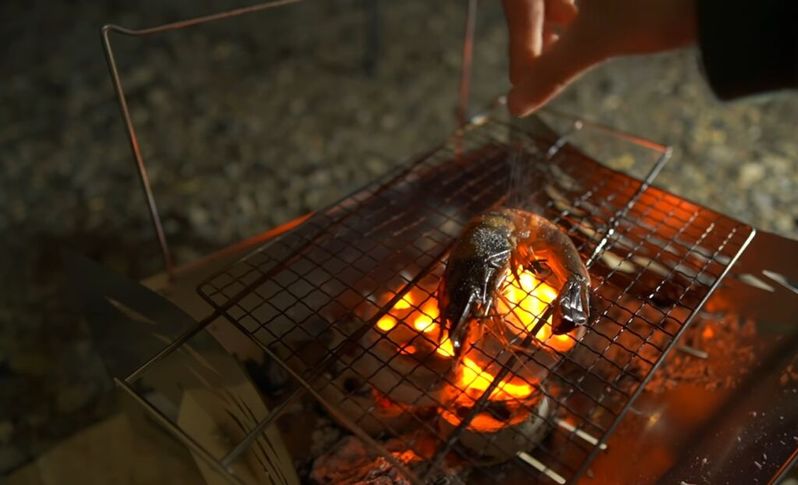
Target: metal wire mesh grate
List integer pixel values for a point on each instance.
(347, 300)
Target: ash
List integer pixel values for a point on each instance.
(722, 338)
(353, 462)
(325, 435)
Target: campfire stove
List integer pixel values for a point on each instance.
(342, 305)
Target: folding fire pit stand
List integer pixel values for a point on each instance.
(309, 298)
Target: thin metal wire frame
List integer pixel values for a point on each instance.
(435, 259)
(168, 262)
(662, 358)
(600, 247)
(130, 129)
(177, 431)
(464, 93)
(238, 297)
(222, 310)
(135, 147)
(234, 319)
(316, 374)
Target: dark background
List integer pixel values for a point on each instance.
(250, 122)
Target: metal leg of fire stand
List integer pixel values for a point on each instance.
(464, 96)
(373, 36)
(119, 89)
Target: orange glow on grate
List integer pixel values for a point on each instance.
(405, 302)
(413, 325)
(386, 323)
(424, 321)
(524, 301)
(446, 348)
(473, 377)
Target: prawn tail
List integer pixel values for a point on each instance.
(572, 305)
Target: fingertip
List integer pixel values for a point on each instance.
(550, 73)
(525, 20)
(561, 11)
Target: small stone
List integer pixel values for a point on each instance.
(297, 106)
(223, 50)
(375, 166)
(750, 174)
(312, 200)
(720, 154)
(763, 201)
(198, 216)
(319, 178)
(388, 122)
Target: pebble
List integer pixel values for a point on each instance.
(750, 174)
(198, 216)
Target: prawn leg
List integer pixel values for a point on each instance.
(571, 305)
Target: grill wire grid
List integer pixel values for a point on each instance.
(314, 295)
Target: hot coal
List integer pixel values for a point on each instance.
(351, 461)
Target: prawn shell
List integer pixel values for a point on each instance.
(489, 246)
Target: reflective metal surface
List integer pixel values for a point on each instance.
(744, 434)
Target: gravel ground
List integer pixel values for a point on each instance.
(248, 123)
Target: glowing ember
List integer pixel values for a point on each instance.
(446, 348)
(483, 422)
(386, 323)
(524, 302)
(423, 321)
(407, 349)
(474, 378)
(405, 302)
(413, 325)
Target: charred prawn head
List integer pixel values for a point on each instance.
(502, 241)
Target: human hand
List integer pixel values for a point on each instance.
(552, 42)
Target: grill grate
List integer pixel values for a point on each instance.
(318, 296)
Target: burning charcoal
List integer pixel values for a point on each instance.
(501, 429)
(325, 434)
(410, 373)
(350, 462)
(353, 462)
(400, 354)
(373, 411)
(717, 336)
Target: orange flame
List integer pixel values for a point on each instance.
(473, 377)
(522, 303)
(525, 301)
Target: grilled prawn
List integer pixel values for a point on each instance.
(508, 240)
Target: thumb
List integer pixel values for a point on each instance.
(548, 74)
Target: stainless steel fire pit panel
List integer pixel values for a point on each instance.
(313, 296)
